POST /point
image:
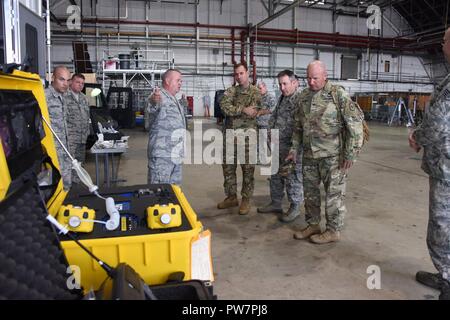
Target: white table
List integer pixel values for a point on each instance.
(107, 152)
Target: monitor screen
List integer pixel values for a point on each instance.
(21, 130)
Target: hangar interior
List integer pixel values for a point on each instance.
(385, 53)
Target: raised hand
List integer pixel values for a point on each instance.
(156, 96)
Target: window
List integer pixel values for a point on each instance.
(31, 50)
(349, 67)
(387, 66)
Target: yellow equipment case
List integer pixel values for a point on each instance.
(157, 226)
(153, 253)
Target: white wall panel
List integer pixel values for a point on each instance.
(327, 58)
(314, 20)
(136, 11)
(283, 22)
(302, 59)
(351, 25)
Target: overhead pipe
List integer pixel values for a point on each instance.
(291, 36)
(243, 49)
(189, 36)
(333, 36)
(101, 38)
(335, 43)
(161, 23)
(233, 60)
(213, 26)
(336, 37)
(337, 40)
(413, 48)
(252, 59)
(141, 35)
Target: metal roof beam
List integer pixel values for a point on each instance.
(277, 14)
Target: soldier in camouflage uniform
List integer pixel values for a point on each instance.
(268, 103)
(78, 116)
(282, 119)
(167, 131)
(332, 135)
(434, 136)
(55, 96)
(240, 104)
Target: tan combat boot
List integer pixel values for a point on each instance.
(245, 206)
(229, 202)
(326, 237)
(307, 232)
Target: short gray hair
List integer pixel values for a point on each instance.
(167, 73)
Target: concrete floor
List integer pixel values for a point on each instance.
(256, 257)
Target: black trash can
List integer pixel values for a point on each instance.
(124, 61)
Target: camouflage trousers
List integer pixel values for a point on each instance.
(78, 151)
(229, 174)
(65, 166)
(438, 235)
(325, 170)
(164, 170)
(293, 182)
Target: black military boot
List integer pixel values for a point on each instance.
(445, 290)
(432, 280)
(292, 213)
(272, 207)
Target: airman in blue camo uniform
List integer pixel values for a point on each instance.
(55, 96)
(433, 135)
(282, 119)
(167, 131)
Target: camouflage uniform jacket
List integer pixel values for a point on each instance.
(283, 118)
(167, 127)
(77, 117)
(268, 101)
(234, 100)
(321, 125)
(434, 133)
(58, 114)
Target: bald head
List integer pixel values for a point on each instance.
(60, 79)
(316, 75)
(446, 45)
